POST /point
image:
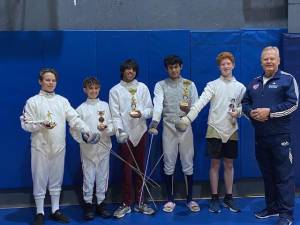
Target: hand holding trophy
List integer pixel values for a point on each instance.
(48, 123)
(101, 126)
(184, 103)
(232, 111)
(134, 113)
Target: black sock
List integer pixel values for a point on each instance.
(169, 187)
(189, 187)
(228, 196)
(215, 196)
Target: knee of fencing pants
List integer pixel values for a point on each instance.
(170, 159)
(187, 170)
(87, 190)
(39, 196)
(55, 191)
(169, 168)
(39, 192)
(187, 164)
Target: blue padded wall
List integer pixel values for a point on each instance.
(205, 46)
(77, 54)
(252, 42)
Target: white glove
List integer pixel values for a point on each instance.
(91, 138)
(153, 128)
(182, 124)
(121, 136)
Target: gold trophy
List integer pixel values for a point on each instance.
(133, 112)
(49, 122)
(184, 103)
(101, 119)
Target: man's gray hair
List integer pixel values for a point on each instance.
(268, 48)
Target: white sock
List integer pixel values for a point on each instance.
(54, 202)
(39, 205)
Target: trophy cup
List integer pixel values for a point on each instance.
(101, 126)
(133, 112)
(49, 122)
(184, 103)
(232, 109)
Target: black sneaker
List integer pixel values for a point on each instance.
(38, 219)
(88, 212)
(214, 205)
(229, 203)
(284, 221)
(266, 213)
(59, 217)
(102, 211)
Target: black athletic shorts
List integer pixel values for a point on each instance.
(215, 149)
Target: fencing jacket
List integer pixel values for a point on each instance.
(120, 106)
(89, 113)
(221, 93)
(167, 96)
(36, 110)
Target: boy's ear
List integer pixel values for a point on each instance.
(84, 90)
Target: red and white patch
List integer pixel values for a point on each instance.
(255, 86)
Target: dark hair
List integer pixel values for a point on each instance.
(172, 60)
(225, 55)
(89, 81)
(47, 70)
(129, 64)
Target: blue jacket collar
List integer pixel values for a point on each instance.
(275, 76)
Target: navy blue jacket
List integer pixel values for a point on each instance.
(280, 94)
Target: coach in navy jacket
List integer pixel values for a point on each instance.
(269, 101)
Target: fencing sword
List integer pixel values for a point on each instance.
(156, 164)
(137, 166)
(149, 180)
(147, 162)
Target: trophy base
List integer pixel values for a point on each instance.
(134, 113)
(184, 104)
(101, 127)
(51, 125)
(233, 121)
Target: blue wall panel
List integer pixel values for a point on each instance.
(21, 56)
(77, 54)
(113, 47)
(252, 43)
(73, 55)
(205, 46)
(160, 45)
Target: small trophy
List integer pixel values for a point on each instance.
(49, 122)
(133, 111)
(232, 109)
(184, 103)
(101, 119)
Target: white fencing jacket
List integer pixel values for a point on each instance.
(120, 106)
(49, 141)
(220, 93)
(89, 113)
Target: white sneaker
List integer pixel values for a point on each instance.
(122, 211)
(144, 208)
(193, 206)
(169, 207)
